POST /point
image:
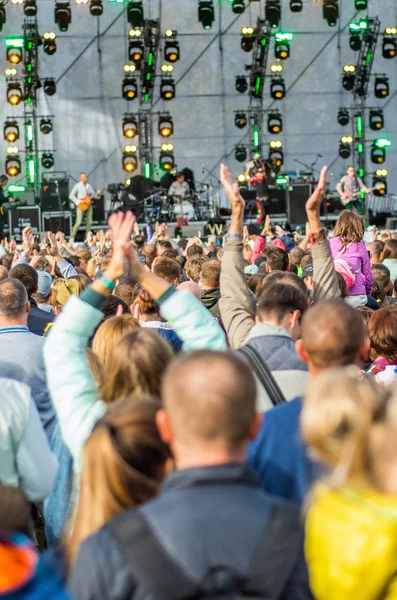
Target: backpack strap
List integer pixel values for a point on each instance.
(263, 373)
(152, 566)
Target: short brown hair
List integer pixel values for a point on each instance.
(194, 250)
(277, 259)
(167, 268)
(390, 249)
(126, 290)
(27, 275)
(211, 273)
(280, 299)
(296, 255)
(13, 298)
(287, 278)
(382, 332)
(147, 306)
(349, 227)
(193, 268)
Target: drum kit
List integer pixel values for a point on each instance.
(159, 206)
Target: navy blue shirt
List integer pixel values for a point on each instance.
(280, 458)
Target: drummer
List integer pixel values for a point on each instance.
(180, 188)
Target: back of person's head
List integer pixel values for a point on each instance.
(382, 333)
(6, 260)
(287, 278)
(333, 335)
(211, 273)
(283, 305)
(28, 276)
(192, 287)
(378, 292)
(277, 259)
(162, 246)
(13, 299)
(124, 461)
(209, 400)
(44, 287)
(109, 333)
(194, 251)
(173, 254)
(62, 290)
(167, 268)
(296, 255)
(3, 273)
(366, 313)
(375, 249)
(15, 511)
(193, 268)
(351, 425)
(182, 243)
(381, 274)
(126, 290)
(349, 227)
(136, 365)
(82, 280)
(139, 241)
(147, 306)
(149, 252)
(390, 249)
(256, 282)
(84, 254)
(113, 306)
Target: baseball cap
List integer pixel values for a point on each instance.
(44, 287)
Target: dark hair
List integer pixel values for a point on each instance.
(182, 243)
(167, 268)
(180, 174)
(126, 289)
(109, 307)
(255, 283)
(172, 253)
(286, 277)
(382, 332)
(194, 251)
(366, 313)
(277, 259)
(280, 299)
(378, 292)
(381, 275)
(211, 273)
(164, 244)
(390, 249)
(6, 260)
(342, 285)
(28, 276)
(13, 298)
(293, 268)
(147, 306)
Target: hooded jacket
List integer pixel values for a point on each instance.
(210, 299)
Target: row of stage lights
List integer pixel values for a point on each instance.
(11, 134)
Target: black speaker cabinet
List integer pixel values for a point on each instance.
(98, 210)
(58, 221)
(296, 200)
(20, 217)
(54, 194)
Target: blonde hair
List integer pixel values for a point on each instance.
(350, 424)
(349, 227)
(95, 366)
(123, 464)
(109, 333)
(136, 365)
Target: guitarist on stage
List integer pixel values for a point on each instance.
(81, 196)
(349, 189)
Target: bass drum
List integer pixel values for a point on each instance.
(188, 210)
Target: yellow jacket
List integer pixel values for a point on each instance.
(351, 544)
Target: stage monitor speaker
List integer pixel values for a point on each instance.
(20, 217)
(278, 200)
(54, 192)
(58, 221)
(98, 210)
(296, 200)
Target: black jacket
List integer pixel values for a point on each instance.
(205, 518)
(38, 319)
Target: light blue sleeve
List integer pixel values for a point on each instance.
(194, 324)
(67, 270)
(73, 390)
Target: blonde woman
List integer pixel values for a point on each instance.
(351, 524)
(110, 333)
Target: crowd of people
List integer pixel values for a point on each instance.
(200, 417)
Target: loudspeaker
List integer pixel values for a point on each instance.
(20, 217)
(296, 200)
(278, 200)
(57, 221)
(54, 194)
(98, 210)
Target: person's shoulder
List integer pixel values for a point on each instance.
(284, 411)
(278, 425)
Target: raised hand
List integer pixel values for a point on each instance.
(232, 190)
(314, 202)
(121, 227)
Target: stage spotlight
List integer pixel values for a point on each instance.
(277, 88)
(130, 126)
(281, 50)
(49, 43)
(135, 16)
(167, 68)
(344, 150)
(167, 160)
(379, 182)
(348, 81)
(275, 144)
(14, 93)
(81, 1)
(129, 88)
(248, 37)
(167, 147)
(276, 68)
(130, 162)
(30, 8)
(3, 17)
(14, 55)
(12, 150)
(382, 88)
(241, 178)
(135, 52)
(11, 131)
(331, 12)
(45, 126)
(240, 120)
(274, 122)
(381, 172)
(206, 13)
(376, 119)
(343, 117)
(378, 155)
(240, 153)
(355, 42)
(241, 84)
(166, 126)
(49, 86)
(389, 47)
(63, 15)
(130, 148)
(16, 1)
(296, 5)
(167, 89)
(171, 51)
(13, 165)
(169, 33)
(361, 4)
(273, 12)
(349, 68)
(346, 139)
(391, 31)
(238, 6)
(47, 160)
(10, 72)
(277, 156)
(136, 32)
(129, 68)
(96, 8)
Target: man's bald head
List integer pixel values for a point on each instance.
(191, 287)
(210, 398)
(333, 335)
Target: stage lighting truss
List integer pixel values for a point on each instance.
(13, 165)
(370, 33)
(45, 125)
(11, 131)
(277, 88)
(240, 154)
(135, 14)
(376, 119)
(379, 182)
(151, 36)
(49, 42)
(248, 36)
(382, 88)
(167, 88)
(331, 12)
(274, 122)
(63, 15)
(343, 117)
(167, 159)
(241, 120)
(47, 160)
(130, 126)
(129, 88)
(129, 161)
(14, 93)
(165, 125)
(296, 5)
(389, 46)
(241, 84)
(273, 12)
(136, 52)
(49, 86)
(206, 13)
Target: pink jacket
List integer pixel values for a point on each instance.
(356, 256)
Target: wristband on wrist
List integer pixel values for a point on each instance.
(107, 283)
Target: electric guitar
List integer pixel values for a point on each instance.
(85, 203)
(347, 197)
